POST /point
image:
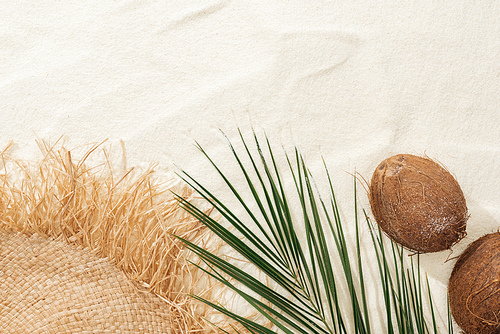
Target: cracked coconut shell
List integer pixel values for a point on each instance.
(418, 203)
(474, 287)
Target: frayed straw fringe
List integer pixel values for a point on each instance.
(128, 220)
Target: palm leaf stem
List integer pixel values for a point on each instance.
(214, 263)
(305, 314)
(235, 221)
(305, 273)
(281, 215)
(310, 238)
(276, 236)
(248, 253)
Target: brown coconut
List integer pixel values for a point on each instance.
(474, 287)
(418, 203)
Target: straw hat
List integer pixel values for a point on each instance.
(87, 249)
(49, 286)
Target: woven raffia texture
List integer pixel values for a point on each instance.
(85, 248)
(48, 286)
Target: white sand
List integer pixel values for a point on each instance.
(352, 81)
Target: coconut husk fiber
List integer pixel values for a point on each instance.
(474, 286)
(418, 203)
(87, 248)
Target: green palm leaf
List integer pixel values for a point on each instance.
(309, 300)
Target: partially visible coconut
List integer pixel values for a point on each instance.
(418, 203)
(474, 287)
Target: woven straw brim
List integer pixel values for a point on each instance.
(88, 249)
(50, 287)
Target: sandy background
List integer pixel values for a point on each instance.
(350, 81)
